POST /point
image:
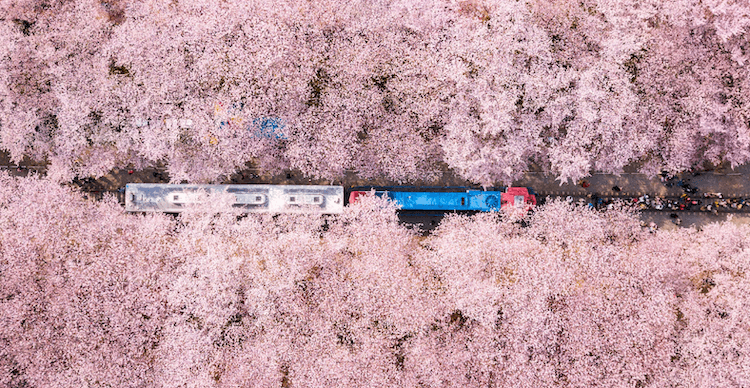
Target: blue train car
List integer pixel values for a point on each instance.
(468, 200)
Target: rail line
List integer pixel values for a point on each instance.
(734, 203)
(582, 200)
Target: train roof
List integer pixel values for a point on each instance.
(175, 198)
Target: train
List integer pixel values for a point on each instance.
(175, 198)
(466, 200)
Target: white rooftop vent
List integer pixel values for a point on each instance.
(250, 199)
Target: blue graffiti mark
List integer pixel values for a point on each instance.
(268, 128)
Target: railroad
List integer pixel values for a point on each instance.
(705, 203)
(705, 206)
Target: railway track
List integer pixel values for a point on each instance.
(578, 199)
(738, 203)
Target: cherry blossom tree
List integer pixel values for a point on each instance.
(331, 74)
(541, 82)
(80, 288)
(544, 304)
(688, 75)
(390, 89)
(704, 119)
(313, 308)
(711, 306)
(566, 296)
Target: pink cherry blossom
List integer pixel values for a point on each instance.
(570, 296)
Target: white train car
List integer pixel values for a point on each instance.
(173, 198)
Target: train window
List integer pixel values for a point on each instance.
(463, 201)
(292, 199)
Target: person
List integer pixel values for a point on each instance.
(616, 188)
(585, 184)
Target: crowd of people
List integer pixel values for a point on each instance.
(707, 202)
(689, 200)
(711, 202)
